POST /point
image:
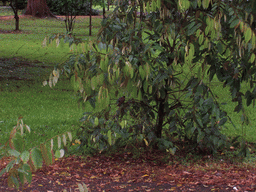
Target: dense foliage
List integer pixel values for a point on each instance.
(75, 7)
(19, 4)
(159, 68)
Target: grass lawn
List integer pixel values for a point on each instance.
(24, 64)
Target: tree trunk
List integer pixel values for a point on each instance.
(17, 22)
(90, 22)
(160, 119)
(104, 10)
(16, 15)
(38, 8)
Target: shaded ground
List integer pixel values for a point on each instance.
(17, 69)
(122, 173)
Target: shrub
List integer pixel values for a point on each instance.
(77, 7)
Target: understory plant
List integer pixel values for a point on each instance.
(23, 162)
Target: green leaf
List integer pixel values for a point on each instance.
(24, 156)
(223, 121)
(158, 4)
(145, 86)
(252, 58)
(205, 3)
(59, 153)
(200, 136)
(220, 47)
(36, 158)
(109, 135)
(96, 121)
(27, 169)
(2, 172)
(9, 166)
(15, 181)
(194, 29)
(201, 39)
(199, 121)
(150, 89)
(103, 65)
(140, 96)
(94, 83)
(142, 72)
(14, 153)
(248, 35)
(234, 23)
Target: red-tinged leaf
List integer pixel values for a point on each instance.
(46, 154)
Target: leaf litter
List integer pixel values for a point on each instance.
(124, 173)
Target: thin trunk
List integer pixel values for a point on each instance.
(160, 119)
(90, 25)
(16, 16)
(134, 15)
(161, 113)
(17, 22)
(104, 10)
(141, 10)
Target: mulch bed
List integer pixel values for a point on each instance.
(123, 173)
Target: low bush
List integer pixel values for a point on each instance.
(21, 4)
(76, 7)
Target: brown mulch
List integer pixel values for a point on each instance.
(123, 173)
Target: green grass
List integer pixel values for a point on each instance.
(224, 96)
(28, 42)
(47, 111)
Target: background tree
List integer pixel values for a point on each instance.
(4, 2)
(38, 8)
(71, 8)
(17, 5)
